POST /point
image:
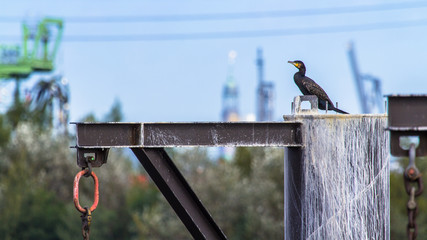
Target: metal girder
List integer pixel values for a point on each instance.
(207, 134)
(94, 139)
(178, 193)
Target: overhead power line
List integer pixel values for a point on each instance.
(251, 15)
(238, 34)
(236, 15)
(247, 34)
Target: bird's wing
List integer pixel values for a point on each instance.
(315, 89)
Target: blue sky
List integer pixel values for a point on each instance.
(182, 80)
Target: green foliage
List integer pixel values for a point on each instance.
(39, 216)
(5, 131)
(18, 112)
(243, 160)
(115, 114)
(89, 118)
(29, 205)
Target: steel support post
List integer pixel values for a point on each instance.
(178, 193)
(293, 178)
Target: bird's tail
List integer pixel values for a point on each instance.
(339, 110)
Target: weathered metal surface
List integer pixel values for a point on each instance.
(222, 134)
(178, 193)
(214, 134)
(407, 111)
(407, 116)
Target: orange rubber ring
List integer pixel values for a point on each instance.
(76, 191)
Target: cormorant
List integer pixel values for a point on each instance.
(310, 87)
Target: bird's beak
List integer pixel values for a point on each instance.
(293, 63)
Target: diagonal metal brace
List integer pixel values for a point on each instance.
(178, 193)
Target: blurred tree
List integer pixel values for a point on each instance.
(47, 92)
(5, 131)
(243, 160)
(115, 114)
(18, 112)
(33, 174)
(90, 117)
(39, 216)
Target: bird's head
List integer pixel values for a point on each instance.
(297, 63)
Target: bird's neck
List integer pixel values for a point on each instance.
(302, 71)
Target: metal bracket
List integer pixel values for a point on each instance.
(407, 117)
(99, 156)
(298, 100)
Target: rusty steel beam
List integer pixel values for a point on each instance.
(206, 134)
(178, 193)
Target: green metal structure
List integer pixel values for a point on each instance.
(19, 62)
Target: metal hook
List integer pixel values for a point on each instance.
(89, 165)
(412, 171)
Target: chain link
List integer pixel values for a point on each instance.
(86, 221)
(86, 211)
(414, 187)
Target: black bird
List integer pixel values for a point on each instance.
(310, 87)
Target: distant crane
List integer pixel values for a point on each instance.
(368, 87)
(265, 92)
(20, 62)
(230, 102)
